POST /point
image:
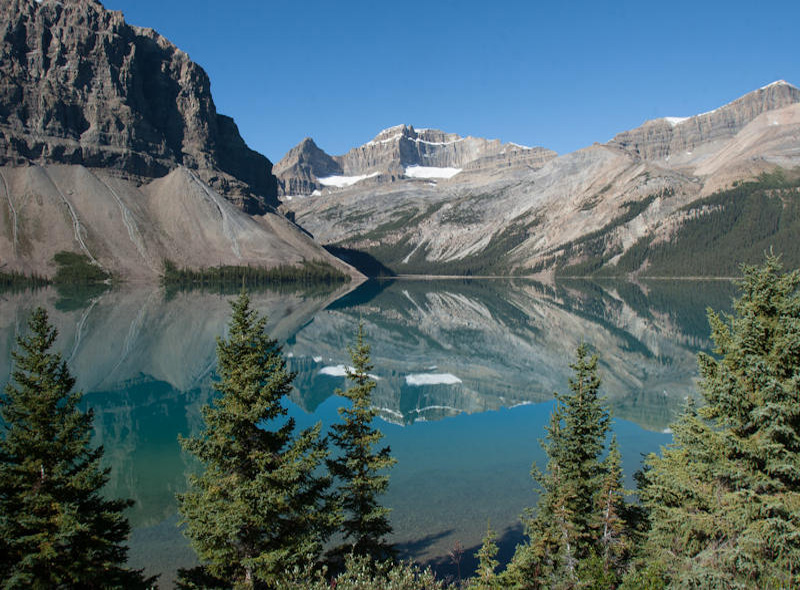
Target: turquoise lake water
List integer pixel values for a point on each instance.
(466, 372)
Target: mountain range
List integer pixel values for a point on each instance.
(423, 201)
(111, 147)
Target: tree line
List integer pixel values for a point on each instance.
(272, 507)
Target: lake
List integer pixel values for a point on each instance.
(465, 371)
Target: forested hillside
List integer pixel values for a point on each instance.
(711, 236)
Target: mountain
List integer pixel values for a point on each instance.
(111, 146)
(396, 154)
(579, 212)
(299, 169)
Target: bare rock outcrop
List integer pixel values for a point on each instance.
(80, 86)
(299, 169)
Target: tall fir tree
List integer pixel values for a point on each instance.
(724, 497)
(563, 529)
(258, 508)
(360, 468)
(486, 577)
(57, 529)
(612, 515)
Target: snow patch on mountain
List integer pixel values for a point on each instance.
(431, 172)
(676, 120)
(343, 181)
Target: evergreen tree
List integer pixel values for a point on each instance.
(486, 577)
(57, 530)
(360, 468)
(562, 530)
(613, 518)
(359, 572)
(257, 510)
(724, 497)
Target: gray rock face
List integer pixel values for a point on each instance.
(111, 146)
(80, 86)
(661, 138)
(398, 147)
(299, 169)
(393, 150)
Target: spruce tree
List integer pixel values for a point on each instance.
(486, 577)
(613, 516)
(724, 497)
(360, 468)
(258, 508)
(611, 512)
(57, 529)
(563, 530)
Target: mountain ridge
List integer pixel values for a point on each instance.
(392, 152)
(527, 219)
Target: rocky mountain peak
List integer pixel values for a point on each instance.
(80, 86)
(663, 138)
(299, 169)
(392, 152)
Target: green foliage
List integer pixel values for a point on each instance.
(362, 573)
(486, 577)
(14, 280)
(729, 227)
(56, 529)
(259, 506)
(612, 523)
(360, 468)
(578, 519)
(77, 269)
(724, 497)
(309, 272)
(649, 576)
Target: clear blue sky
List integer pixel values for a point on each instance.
(558, 74)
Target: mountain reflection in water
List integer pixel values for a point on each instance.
(465, 373)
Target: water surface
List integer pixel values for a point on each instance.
(466, 372)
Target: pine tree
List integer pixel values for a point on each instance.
(724, 497)
(361, 469)
(562, 530)
(258, 508)
(57, 529)
(612, 516)
(486, 577)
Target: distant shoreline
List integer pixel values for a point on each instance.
(550, 277)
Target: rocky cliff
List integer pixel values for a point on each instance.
(663, 138)
(400, 153)
(80, 86)
(111, 147)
